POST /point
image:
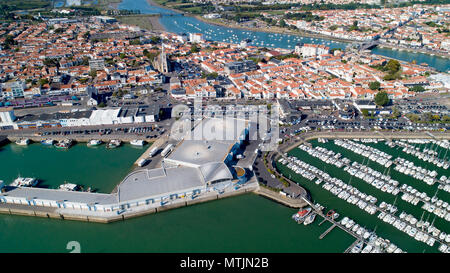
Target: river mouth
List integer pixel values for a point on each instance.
(187, 24)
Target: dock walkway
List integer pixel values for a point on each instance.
(287, 201)
(327, 231)
(352, 246)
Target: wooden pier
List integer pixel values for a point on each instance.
(327, 231)
(352, 245)
(324, 220)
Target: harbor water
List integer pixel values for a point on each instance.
(178, 23)
(246, 223)
(96, 167)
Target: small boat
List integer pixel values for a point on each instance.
(330, 213)
(23, 142)
(113, 144)
(137, 142)
(47, 142)
(68, 187)
(24, 182)
(310, 219)
(94, 142)
(301, 215)
(64, 144)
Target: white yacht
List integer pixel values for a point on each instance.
(24, 182)
(94, 142)
(23, 142)
(68, 187)
(137, 142)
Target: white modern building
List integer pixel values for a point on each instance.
(311, 50)
(192, 168)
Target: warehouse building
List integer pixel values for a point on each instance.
(124, 115)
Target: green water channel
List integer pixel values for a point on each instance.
(246, 223)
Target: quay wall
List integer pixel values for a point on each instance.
(289, 202)
(3, 140)
(54, 213)
(87, 138)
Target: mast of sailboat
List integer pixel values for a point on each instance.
(421, 220)
(432, 223)
(435, 194)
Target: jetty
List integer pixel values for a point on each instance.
(287, 201)
(352, 245)
(327, 231)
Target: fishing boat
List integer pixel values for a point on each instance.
(94, 142)
(68, 187)
(113, 144)
(64, 144)
(300, 216)
(47, 142)
(23, 142)
(24, 182)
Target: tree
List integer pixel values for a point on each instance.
(210, 75)
(381, 98)
(354, 26)
(393, 66)
(333, 27)
(395, 112)
(417, 88)
(9, 41)
(43, 81)
(195, 48)
(413, 117)
(282, 23)
(93, 73)
(155, 40)
(374, 85)
(51, 62)
(59, 30)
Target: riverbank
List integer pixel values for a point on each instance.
(436, 62)
(153, 3)
(149, 22)
(271, 30)
(423, 51)
(236, 26)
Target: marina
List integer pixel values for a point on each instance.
(362, 172)
(385, 237)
